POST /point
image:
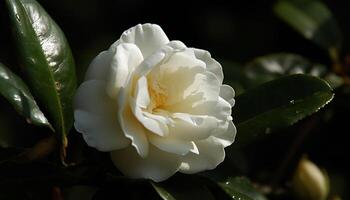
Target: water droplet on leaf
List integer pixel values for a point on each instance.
(18, 18)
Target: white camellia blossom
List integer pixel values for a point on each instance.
(158, 106)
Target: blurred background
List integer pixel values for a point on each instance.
(233, 31)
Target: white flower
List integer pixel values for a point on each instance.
(158, 106)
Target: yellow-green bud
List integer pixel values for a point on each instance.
(309, 182)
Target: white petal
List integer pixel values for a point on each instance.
(135, 132)
(227, 93)
(182, 59)
(130, 125)
(173, 145)
(220, 108)
(91, 97)
(149, 123)
(177, 45)
(212, 65)
(163, 121)
(211, 154)
(157, 166)
(141, 93)
(158, 57)
(96, 117)
(192, 127)
(148, 37)
(99, 67)
(226, 138)
(125, 59)
(99, 132)
(177, 73)
(205, 87)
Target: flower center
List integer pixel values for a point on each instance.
(158, 95)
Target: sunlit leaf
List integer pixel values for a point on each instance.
(46, 60)
(18, 94)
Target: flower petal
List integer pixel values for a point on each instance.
(91, 96)
(220, 108)
(125, 59)
(158, 165)
(226, 138)
(99, 132)
(211, 154)
(192, 127)
(141, 93)
(211, 64)
(148, 37)
(180, 65)
(140, 103)
(135, 132)
(172, 145)
(158, 57)
(95, 117)
(99, 67)
(228, 93)
(149, 123)
(205, 87)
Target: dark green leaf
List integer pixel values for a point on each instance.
(241, 188)
(278, 104)
(47, 61)
(17, 93)
(312, 19)
(162, 192)
(269, 67)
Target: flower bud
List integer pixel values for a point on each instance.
(309, 182)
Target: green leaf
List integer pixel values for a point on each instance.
(269, 67)
(278, 104)
(47, 61)
(241, 188)
(312, 19)
(17, 93)
(162, 192)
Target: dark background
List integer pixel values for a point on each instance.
(236, 31)
(233, 30)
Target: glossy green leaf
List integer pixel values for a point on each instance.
(241, 188)
(312, 19)
(269, 67)
(46, 60)
(18, 94)
(165, 195)
(278, 104)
